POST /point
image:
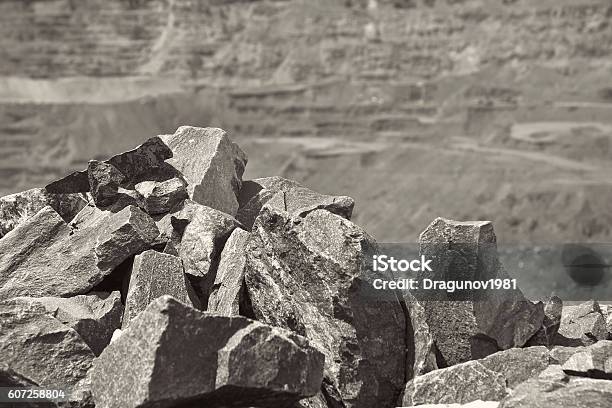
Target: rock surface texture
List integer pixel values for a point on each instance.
(158, 278)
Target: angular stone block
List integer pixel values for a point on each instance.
(160, 197)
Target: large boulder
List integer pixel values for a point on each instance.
(160, 197)
(37, 346)
(104, 181)
(17, 208)
(592, 361)
(306, 273)
(472, 324)
(518, 364)
(153, 275)
(44, 256)
(582, 324)
(287, 195)
(94, 316)
(211, 164)
(227, 292)
(458, 384)
(173, 355)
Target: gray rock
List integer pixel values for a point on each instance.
(227, 292)
(172, 354)
(11, 378)
(424, 344)
(553, 373)
(459, 384)
(153, 275)
(593, 361)
(211, 164)
(582, 324)
(44, 256)
(560, 354)
(39, 347)
(201, 244)
(609, 326)
(518, 364)
(160, 197)
(16, 208)
(305, 274)
(470, 325)
(547, 334)
(94, 316)
(546, 393)
(146, 162)
(104, 182)
(286, 195)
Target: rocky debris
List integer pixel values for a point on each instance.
(582, 324)
(153, 275)
(11, 378)
(424, 344)
(16, 208)
(304, 273)
(216, 361)
(518, 365)
(593, 361)
(201, 244)
(37, 257)
(473, 404)
(609, 326)
(160, 197)
(39, 347)
(104, 181)
(568, 393)
(482, 322)
(459, 384)
(94, 316)
(547, 334)
(142, 163)
(286, 195)
(227, 292)
(211, 164)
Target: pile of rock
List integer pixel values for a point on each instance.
(158, 278)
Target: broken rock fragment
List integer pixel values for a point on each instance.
(306, 274)
(44, 256)
(471, 325)
(582, 324)
(104, 182)
(153, 275)
(39, 347)
(518, 364)
(160, 197)
(286, 195)
(211, 164)
(172, 354)
(16, 208)
(547, 334)
(94, 316)
(592, 361)
(228, 287)
(458, 384)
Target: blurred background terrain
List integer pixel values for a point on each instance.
(466, 109)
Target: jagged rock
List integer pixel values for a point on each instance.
(546, 335)
(46, 257)
(305, 274)
(458, 384)
(609, 326)
(153, 275)
(39, 347)
(286, 195)
(518, 365)
(159, 197)
(471, 325)
(11, 378)
(227, 291)
(582, 324)
(593, 361)
(211, 164)
(76, 182)
(172, 354)
(104, 181)
(473, 404)
(94, 316)
(201, 244)
(573, 393)
(553, 373)
(16, 208)
(560, 354)
(424, 344)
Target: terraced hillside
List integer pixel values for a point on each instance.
(470, 109)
